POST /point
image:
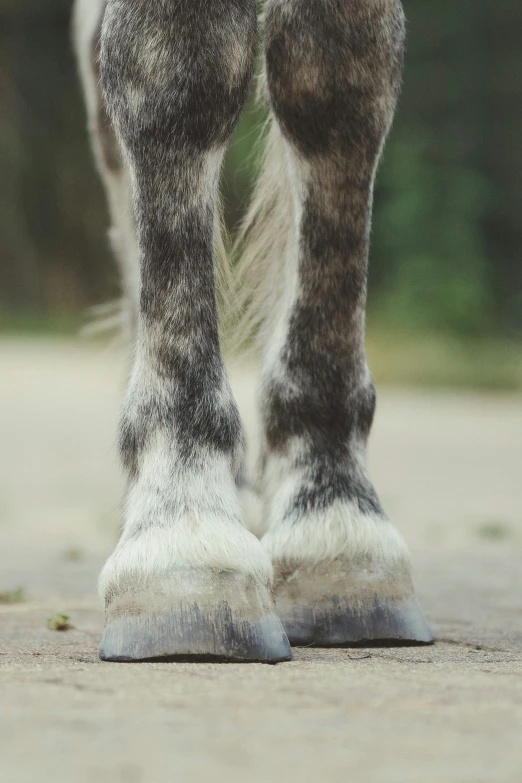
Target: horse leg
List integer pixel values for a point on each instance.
(343, 573)
(88, 16)
(187, 579)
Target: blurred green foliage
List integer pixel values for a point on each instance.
(447, 235)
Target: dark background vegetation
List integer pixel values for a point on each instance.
(447, 236)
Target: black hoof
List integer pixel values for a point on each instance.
(339, 625)
(341, 608)
(224, 618)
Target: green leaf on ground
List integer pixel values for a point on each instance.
(16, 596)
(60, 622)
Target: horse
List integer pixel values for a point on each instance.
(165, 83)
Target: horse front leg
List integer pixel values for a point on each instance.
(343, 573)
(186, 579)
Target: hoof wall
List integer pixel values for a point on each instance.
(341, 604)
(191, 635)
(241, 626)
(384, 623)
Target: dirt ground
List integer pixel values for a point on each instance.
(449, 469)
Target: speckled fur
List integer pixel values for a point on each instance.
(175, 75)
(332, 75)
(174, 78)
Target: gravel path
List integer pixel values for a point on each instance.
(449, 469)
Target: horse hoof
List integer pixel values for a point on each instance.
(224, 617)
(338, 605)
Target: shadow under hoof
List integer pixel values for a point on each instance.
(383, 624)
(192, 634)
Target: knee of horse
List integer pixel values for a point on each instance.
(334, 72)
(176, 73)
